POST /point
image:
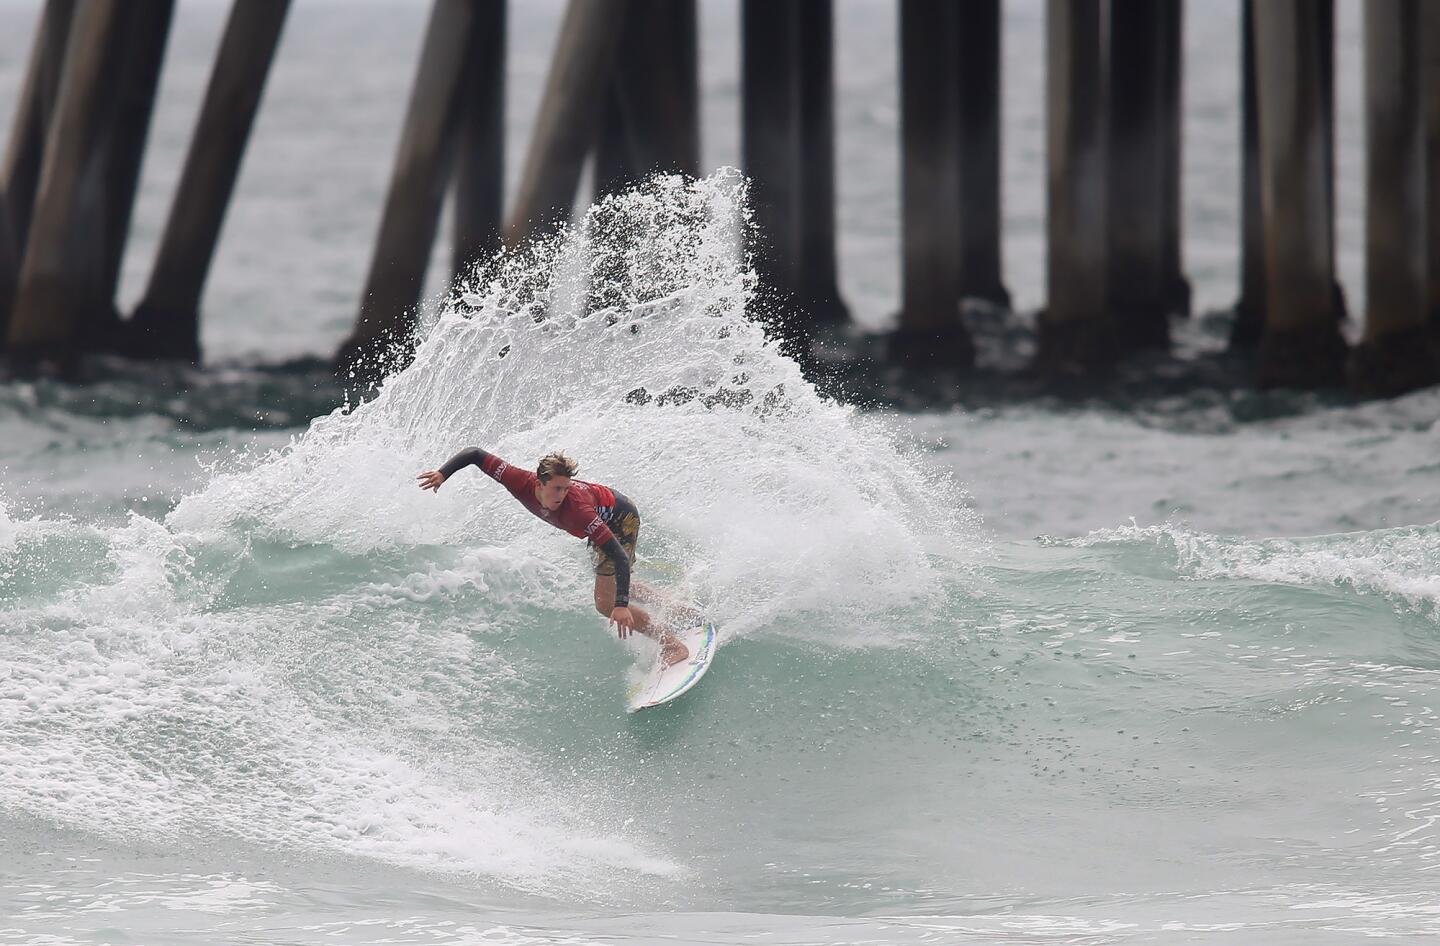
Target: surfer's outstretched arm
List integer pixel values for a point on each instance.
(431, 479)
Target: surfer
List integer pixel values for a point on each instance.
(605, 518)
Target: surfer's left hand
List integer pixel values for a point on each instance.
(624, 621)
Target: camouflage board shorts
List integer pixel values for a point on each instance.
(624, 521)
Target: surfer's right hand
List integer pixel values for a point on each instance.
(431, 480)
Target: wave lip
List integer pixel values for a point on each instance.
(1400, 564)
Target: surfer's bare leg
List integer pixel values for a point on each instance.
(673, 648)
(676, 615)
(640, 591)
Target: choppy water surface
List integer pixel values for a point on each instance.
(1030, 675)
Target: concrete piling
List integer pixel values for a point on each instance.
(787, 148)
(20, 175)
(147, 29)
(480, 163)
(1139, 221)
(769, 136)
(1248, 326)
(1172, 60)
(569, 119)
(9, 266)
(949, 176)
(819, 285)
(422, 175)
(1430, 83)
(1076, 332)
(1250, 307)
(166, 324)
(652, 114)
(62, 273)
(1325, 10)
(1394, 354)
(1301, 345)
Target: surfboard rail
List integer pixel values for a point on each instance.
(663, 684)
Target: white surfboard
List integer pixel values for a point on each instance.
(662, 684)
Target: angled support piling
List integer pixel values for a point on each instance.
(1394, 355)
(1077, 334)
(1138, 216)
(9, 266)
(787, 148)
(652, 113)
(569, 118)
(166, 324)
(147, 29)
(417, 190)
(480, 164)
(949, 176)
(1301, 345)
(62, 274)
(20, 175)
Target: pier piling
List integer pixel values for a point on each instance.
(147, 30)
(1301, 345)
(1430, 99)
(1139, 223)
(166, 324)
(26, 151)
(9, 266)
(1172, 59)
(787, 147)
(1394, 354)
(949, 176)
(819, 283)
(63, 268)
(652, 111)
(480, 163)
(569, 118)
(20, 175)
(423, 166)
(1250, 307)
(1076, 332)
(1325, 10)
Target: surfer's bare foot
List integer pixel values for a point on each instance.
(672, 650)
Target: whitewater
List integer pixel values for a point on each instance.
(1055, 673)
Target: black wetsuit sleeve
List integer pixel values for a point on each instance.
(616, 551)
(463, 459)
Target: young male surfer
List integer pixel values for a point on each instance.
(587, 511)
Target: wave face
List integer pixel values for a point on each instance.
(307, 660)
(310, 653)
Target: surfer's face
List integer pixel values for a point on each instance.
(551, 493)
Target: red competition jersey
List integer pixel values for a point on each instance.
(584, 512)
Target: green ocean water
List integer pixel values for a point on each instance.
(1042, 674)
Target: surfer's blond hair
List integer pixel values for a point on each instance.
(556, 464)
